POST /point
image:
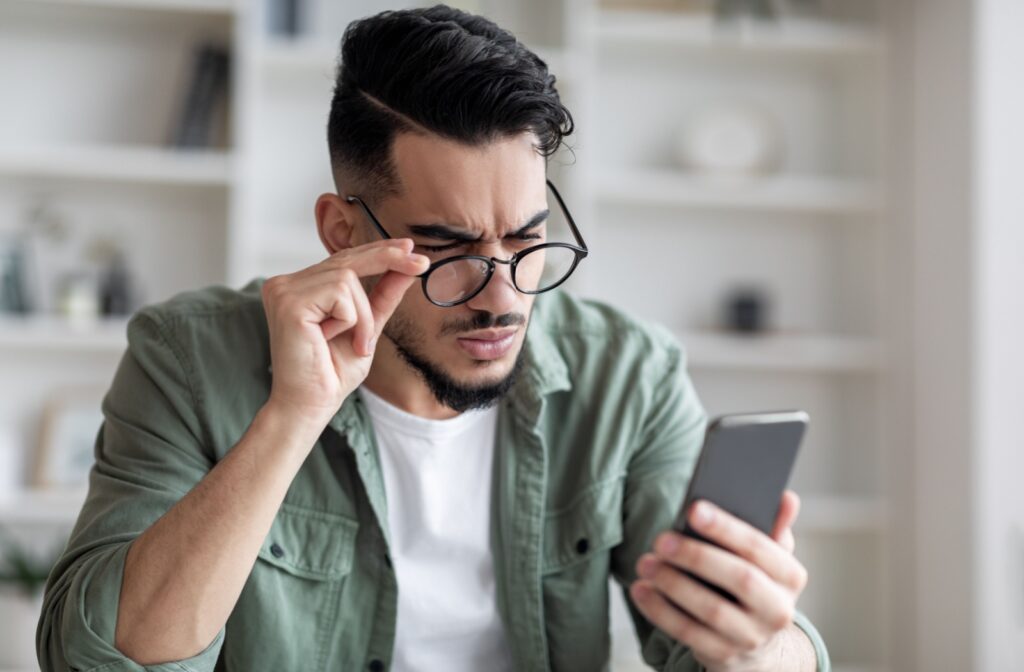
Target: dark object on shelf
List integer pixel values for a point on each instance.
(116, 296)
(746, 310)
(728, 10)
(13, 292)
(206, 93)
(284, 17)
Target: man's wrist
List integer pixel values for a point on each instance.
(295, 432)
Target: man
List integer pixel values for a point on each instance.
(336, 469)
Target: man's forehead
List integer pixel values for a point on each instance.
(488, 189)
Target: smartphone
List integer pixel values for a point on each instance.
(744, 466)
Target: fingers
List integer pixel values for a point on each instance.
(676, 624)
(720, 615)
(765, 599)
(377, 258)
(749, 543)
(363, 332)
(386, 295)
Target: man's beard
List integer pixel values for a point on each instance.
(455, 395)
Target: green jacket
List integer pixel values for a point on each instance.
(595, 445)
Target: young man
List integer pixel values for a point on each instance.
(346, 468)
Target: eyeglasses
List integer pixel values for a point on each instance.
(540, 268)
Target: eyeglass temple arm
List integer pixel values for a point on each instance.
(373, 220)
(568, 217)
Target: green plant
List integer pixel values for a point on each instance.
(26, 572)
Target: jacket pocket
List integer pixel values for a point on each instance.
(288, 611)
(574, 574)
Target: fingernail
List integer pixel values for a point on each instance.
(702, 514)
(647, 567)
(370, 344)
(668, 545)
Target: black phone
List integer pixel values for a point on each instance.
(744, 466)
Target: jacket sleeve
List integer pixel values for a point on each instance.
(149, 452)
(657, 476)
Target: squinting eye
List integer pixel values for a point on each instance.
(438, 248)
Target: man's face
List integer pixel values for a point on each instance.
(464, 200)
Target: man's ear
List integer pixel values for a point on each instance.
(334, 222)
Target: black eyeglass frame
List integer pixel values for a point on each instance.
(580, 250)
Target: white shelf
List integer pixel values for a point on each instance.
(33, 505)
(317, 56)
(820, 513)
(120, 163)
(780, 352)
(190, 6)
(791, 35)
(790, 193)
(53, 332)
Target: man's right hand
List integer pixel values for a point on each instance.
(324, 327)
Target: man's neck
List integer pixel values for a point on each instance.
(395, 382)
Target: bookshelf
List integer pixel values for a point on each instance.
(815, 233)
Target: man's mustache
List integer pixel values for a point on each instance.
(482, 320)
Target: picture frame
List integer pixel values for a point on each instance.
(71, 421)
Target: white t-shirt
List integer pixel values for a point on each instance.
(437, 479)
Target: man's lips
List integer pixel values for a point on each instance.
(487, 344)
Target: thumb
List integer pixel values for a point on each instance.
(789, 509)
(386, 295)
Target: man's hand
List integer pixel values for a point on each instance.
(324, 325)
(760, 571)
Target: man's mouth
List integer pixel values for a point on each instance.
(487, 343)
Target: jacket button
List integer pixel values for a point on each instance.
(582, 545)
(276, 550)
(376, 666)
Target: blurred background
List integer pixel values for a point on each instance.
(822, 197)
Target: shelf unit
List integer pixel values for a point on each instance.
(246, 210)
(126, 164)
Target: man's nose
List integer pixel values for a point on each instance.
(498, 297)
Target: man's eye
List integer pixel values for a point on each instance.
(529, 236)
(439, 248)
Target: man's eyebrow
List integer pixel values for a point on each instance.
(439, 231)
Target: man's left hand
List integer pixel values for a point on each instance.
(759, 570)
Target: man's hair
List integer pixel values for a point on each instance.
(433, 70)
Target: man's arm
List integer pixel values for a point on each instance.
(183, 575)
(150, 573)
(659, 471)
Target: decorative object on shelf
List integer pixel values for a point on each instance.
(283, 17)
(117, 294)
(22, 578)
(730, 138)
(730, 10)
(78, 296)
(205, 97)
(72, 418)
(746, 310)
(13, 288)
(46, 235)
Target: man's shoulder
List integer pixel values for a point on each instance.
(215, 325)
(211, 300)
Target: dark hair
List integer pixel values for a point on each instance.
(434, 70)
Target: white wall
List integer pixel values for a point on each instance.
(966, 204)
(998, 321)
